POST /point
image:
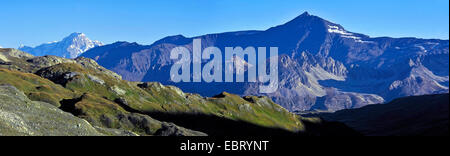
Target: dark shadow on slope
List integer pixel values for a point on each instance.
(426, 115)
(124, 104)
(68, 105)
(218, 126)
(209, 124)
(329, 129)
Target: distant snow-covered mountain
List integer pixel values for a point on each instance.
(70, 47)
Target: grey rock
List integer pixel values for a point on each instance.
(49, 60)
(20, 116)
(118, 90)
(96, 79)
(170, 129)
(91, 64)
(115, 132)
(7, 53)
(70, 75)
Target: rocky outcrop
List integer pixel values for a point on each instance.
(47, 61)
(91, 64)
(6, 54)
(19, 116)
(170, 129)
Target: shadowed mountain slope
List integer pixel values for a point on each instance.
(426, 115)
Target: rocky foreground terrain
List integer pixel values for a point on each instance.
(51, 95)
(21, 116)
(29, 103)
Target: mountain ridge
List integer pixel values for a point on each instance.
(325, 59)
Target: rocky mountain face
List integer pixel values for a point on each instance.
(79, 89)
(321, 65)
(70, 47)
(410, 116)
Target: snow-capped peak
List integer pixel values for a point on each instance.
(71, 46)
(343, 33)
(338, 30)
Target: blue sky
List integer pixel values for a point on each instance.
(32, 22)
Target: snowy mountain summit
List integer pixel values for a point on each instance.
(71, 46)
